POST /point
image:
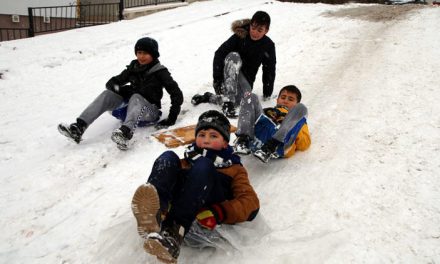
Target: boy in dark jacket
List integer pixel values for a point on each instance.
(236, 63)
(273, 132)
(141, 85)
(209, 185)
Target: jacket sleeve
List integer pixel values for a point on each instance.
(302, 142)
(174, 91)
(220, 55)
(121, 79)
(245, 204)
(269, 69)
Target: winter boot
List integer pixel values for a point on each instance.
(73, 131)
(146, 209)
(268, 150)
(241, 145)
(228, 109)
(121, 137)
(165, 245)
(198, 98)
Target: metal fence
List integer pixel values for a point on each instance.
(13, 33)
(58, 18)
(136, 3)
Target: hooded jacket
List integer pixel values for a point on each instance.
(148, 81)
(253, 54)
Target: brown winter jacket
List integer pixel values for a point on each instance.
(244, 205)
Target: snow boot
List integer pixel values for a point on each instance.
(228, 109)
(241, 145)
(268, 150)
(73, 131)
(165, 245)
(145, 206)
(198, 98)
(121, 137)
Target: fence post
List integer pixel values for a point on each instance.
(121, 9)
(31, 23)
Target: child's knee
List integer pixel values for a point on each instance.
(168, 157)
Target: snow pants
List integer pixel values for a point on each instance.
(139, 109)
(186, 191)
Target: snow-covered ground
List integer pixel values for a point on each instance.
(367, 191)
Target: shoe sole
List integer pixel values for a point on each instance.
(65, 132)
(155, 248)
(145, 206)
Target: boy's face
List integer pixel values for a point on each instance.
(256, 32)
(210, 139)
(143, 57)
(287, 99)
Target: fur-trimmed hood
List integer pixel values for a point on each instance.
(241, 27)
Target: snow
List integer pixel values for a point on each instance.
(367, 190)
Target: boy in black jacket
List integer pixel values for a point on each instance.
(236, 63)
(141, 85)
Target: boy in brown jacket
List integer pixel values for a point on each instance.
(209, 185)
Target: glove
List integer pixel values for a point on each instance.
(277, 114)
(210, 217)
(165, 123)
(112, 86)
(217, 85)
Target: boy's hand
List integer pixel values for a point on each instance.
(210, 217)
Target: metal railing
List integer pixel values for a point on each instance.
(13, 33)
(137, 3)
(57, 18)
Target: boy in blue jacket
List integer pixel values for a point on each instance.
(273, 132)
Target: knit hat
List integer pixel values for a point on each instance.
(215, 120)
(149, 45)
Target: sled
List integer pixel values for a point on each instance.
(121, 113)
(180, 136)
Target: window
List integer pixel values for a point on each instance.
(15, 18)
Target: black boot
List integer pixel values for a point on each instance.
(165, 245)
(228, 109)
(241, 145)
(198, 98)
(122, 136)
(73, 131)
(268, 150)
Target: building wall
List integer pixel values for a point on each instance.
(6, 22)
(20, 7)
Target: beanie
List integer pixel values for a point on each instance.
(215, 120)
(149, 45)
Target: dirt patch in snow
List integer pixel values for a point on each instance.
(376, 13)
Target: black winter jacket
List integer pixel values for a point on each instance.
(253, 54)
(148, 81)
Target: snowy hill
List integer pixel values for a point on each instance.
(367, 191)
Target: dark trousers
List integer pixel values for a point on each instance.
(187, 190)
